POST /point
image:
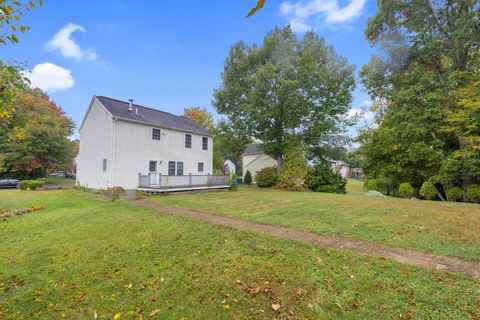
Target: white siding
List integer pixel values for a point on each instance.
(135, 148)
(95, 145)
(256, 162)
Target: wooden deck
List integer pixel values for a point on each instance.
(183, 189)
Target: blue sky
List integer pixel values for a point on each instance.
(167, 54)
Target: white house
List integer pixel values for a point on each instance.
(346, 170)
(254, 160)
(127, 145)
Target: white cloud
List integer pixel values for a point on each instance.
(63, 42)
(309, 14)
(50, 77)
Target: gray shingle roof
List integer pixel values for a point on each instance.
(253, 148)
(151, 116)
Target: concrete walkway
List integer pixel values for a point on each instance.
(426, 260)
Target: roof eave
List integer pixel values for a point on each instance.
(208, 134)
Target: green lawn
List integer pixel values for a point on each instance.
(450, 229)
(82, 256)
(58, 182)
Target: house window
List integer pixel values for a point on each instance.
(188, 141)
(200, 167)
(104, 165)
(152, 167)
(156, 133)
(179, 168)
(171, 168)
(204, 143)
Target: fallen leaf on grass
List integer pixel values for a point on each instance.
(309, 305)
(276, 306)
(154, 313)
(117, 316)
(95, 314)
(354, 304)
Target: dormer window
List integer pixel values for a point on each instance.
(156, 133)
(188, 141)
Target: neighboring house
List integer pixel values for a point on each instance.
(127, 145)
(254, 160)
(346, 170)
(230, 166)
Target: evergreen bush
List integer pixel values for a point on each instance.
(473, 193)
(428, 191)
(322, 179)
(406, 190)
(267, 177)
(454, 194)
(248, 178)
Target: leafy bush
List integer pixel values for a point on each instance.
(473, 193)
(114, 193)
(428, 191)
(454, 194)
(30, 184)
(267, 177)
(233, 182)
(322, 179)
(139, 195)
(386, 186)
(406, 190)
(372, 185)
(248, 178)
(294, 169)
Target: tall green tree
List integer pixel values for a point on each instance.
(232, 140)
(35, 139)
(287, 87)
(11, 80)
(426, 45)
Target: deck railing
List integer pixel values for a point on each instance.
(158, 181)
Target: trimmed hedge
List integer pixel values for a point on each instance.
(428, 191)
(267, 177)
(30, 184)
(454, 194)
(473, 193)
(406, 190)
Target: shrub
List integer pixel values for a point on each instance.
(233, 182)
(372, 185)
(114, 193)
(139, 195)
(267, 177)
(294, 169)
(248, 178)
(454, 194)
(322, 179)
(473, 193)
(428, 191)
(30, 184)
(406, 190)
(386, 186)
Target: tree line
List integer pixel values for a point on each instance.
(427, 95)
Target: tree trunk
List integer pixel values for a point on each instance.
(467, 179)
(279, 163)
(439, 194)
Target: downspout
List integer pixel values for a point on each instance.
(112, 175)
